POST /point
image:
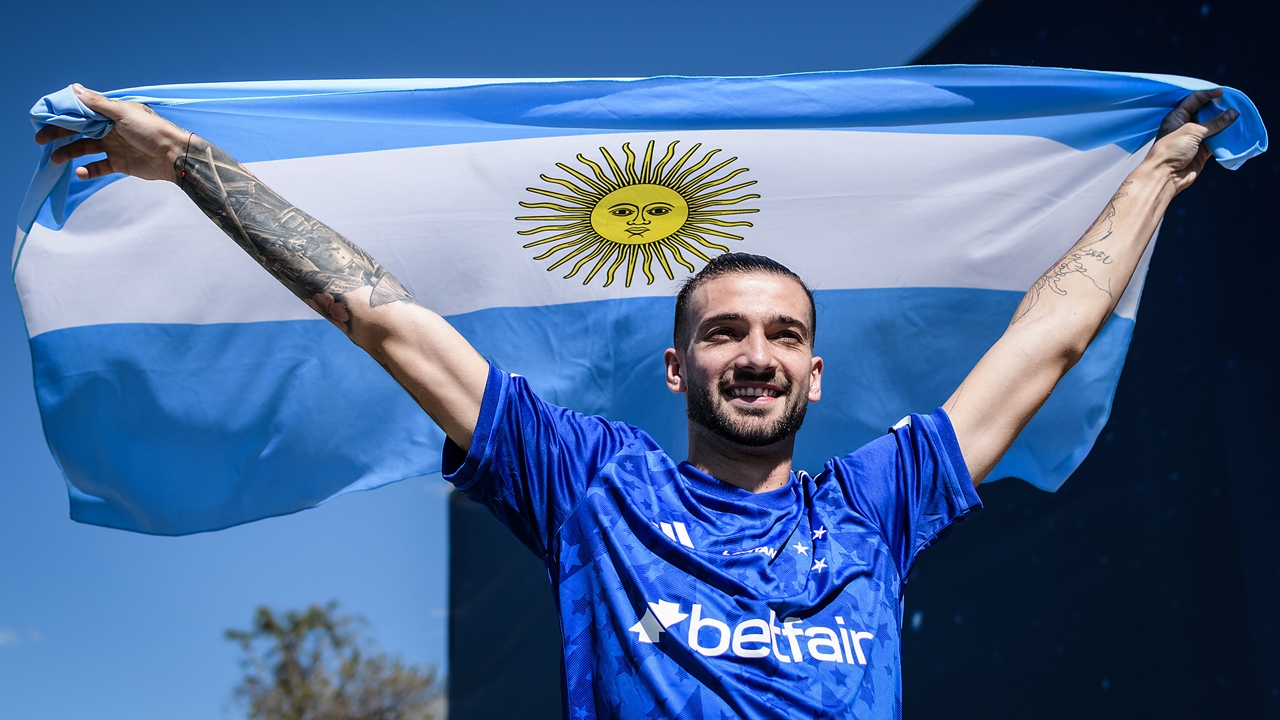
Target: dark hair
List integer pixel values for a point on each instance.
(724, 265)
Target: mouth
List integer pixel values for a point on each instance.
(752, 394)
(637, 231)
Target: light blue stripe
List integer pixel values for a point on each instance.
(954, 99)
(176, 429)
(173, 429)
(1082, 109)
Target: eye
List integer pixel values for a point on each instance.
(659, 210)
(622, 212)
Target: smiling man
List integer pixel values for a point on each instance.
(727, 585)
(743, 357)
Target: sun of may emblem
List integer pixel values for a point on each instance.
(638, 212)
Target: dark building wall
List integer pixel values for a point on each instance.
(504, 636)
(1149, 586)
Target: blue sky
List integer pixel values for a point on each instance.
(106, 624)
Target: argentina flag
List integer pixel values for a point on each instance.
(182, 389)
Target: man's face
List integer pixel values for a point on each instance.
(748, 370)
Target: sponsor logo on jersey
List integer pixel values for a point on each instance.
(789, 640)
(764, 550)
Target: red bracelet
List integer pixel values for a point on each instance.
(182, 176)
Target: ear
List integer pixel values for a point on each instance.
(815, 379)
(675, 370)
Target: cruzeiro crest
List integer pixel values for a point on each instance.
(634, 213)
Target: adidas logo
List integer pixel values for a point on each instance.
(676, 531)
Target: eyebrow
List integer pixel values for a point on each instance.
(738, 317)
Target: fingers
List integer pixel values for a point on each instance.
(1220, 121)
(1196, 166)
(77, 149)
(49, 133)
(1193, 169)
(1192, 103)
(1186, 110)
(98, 102)
(1210, 128)
(94, 170)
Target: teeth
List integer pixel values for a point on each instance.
(754, 392)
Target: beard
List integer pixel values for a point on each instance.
(702, 408)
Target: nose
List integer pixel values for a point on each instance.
(756, 353)
(638, 219)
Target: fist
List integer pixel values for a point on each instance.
(1180, 148)
(141, 144)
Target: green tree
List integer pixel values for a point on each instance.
(313, 665)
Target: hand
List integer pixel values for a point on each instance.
(1179, 148)
(141, 144)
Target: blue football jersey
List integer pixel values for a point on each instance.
(683, 596)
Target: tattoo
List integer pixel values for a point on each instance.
(307, 256)
(1077, 260)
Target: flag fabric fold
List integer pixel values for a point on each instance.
(183, 390)
(52, 182)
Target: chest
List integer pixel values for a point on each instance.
(806, 589)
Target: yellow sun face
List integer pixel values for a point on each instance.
(638, 212)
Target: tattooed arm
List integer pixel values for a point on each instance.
(1067, 307)
(334, 276)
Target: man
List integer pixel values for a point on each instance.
(726, 585)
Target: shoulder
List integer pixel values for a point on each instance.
(517, 429)
(515, 395)
(878, 455)
(919, 450)
(913, 435)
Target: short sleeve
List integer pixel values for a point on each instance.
(912, 483)
(530, 461)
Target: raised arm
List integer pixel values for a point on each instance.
(1067, 307)
(334, 276)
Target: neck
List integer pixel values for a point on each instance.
(755, 469)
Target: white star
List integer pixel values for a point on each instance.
(820, 565)
(817, 534)
(802, 549)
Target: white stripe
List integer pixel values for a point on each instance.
(666, 530)
(683, 534)
(843, 209)
(1187, 83)
(19, 236)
